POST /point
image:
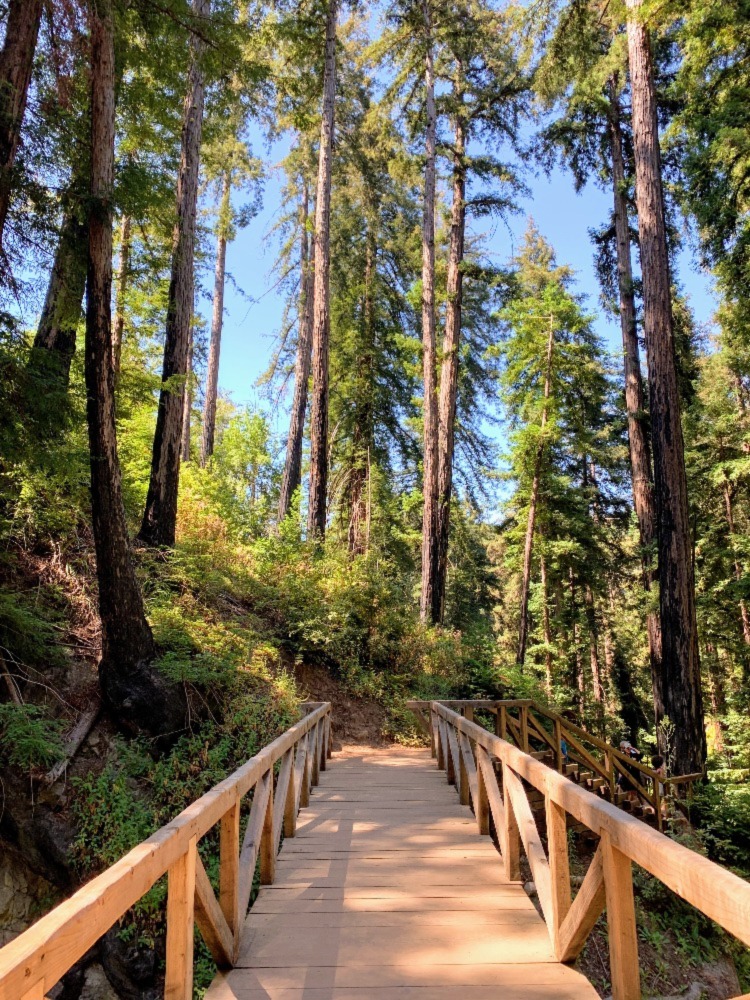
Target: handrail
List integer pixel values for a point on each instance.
(36, 960)
(464, 750)
(652, 788)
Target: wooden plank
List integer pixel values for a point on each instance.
(251, 841)
(469, 768)
(497, 807)
(178, 977)
(268, 840)
(229, 869)
(623, 939)
(455, 758)
(517, 803)
(210, 920)
(481, 800)
(559, 869)
(290, 800)
(299, 773)
(280, 796)
(584, 912)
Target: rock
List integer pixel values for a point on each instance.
(530, 888)
(130, 969)
(96, 986)
(20, 893)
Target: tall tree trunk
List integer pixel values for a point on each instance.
(16, 63)
(217, 322)
(528, 549)
(187, 403)
(292, 476)
(363, 425)
(449, 363)
(63, 303)
(321, 328)
(160, 516)
(139, 695)
(744, 617)
(593, 628)
(430, 545)
(635, 401)
(680, 696)
(546, 625)
(578, 671)
(123, 273)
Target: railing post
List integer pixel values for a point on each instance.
(501, 722)
(304, 795)
(323, 743)
(229, 869)
(315, 740)
(290, 811)
(329, 736)
(523, 718)
(464, 796)
(623, 937)
(559, 757)
(469, 713)
(482, 805)
(511, 836)
(438, 740)
(267, 843)
(178, 981)
(559, 867)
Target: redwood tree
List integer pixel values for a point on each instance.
(680, 697)
(217, 321)
(321, 327)
(16, 63)
(160, 516)
(430, 541)
(138, 693)
(292, 476)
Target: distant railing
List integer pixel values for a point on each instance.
(36, 960)
(533, 727)
(469, 755)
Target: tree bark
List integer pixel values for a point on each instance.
(593, 628)
(449, 363)
(547, 629)
(16, 63)
(744, 617)
(680, 696)
(430, 545)
(160, 516)
(217, 322)
(321, 328)
(528, 549)
(292, 477)
(187, 404)
(635, 401)
(139, 695)
(63, 303)
(364, 430)
(123, 273)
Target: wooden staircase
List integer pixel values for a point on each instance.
(585, 759)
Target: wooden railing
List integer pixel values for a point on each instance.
(533, 727)
(469, 754)
(36, 960)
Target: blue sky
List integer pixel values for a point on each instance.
(563, 217)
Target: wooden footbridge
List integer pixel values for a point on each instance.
(386, 886)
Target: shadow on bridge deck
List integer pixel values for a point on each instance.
(387, 891)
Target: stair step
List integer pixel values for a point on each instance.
(571, 769)
(595, 783)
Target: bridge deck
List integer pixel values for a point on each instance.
(388, 892)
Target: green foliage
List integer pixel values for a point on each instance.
(29, 738)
